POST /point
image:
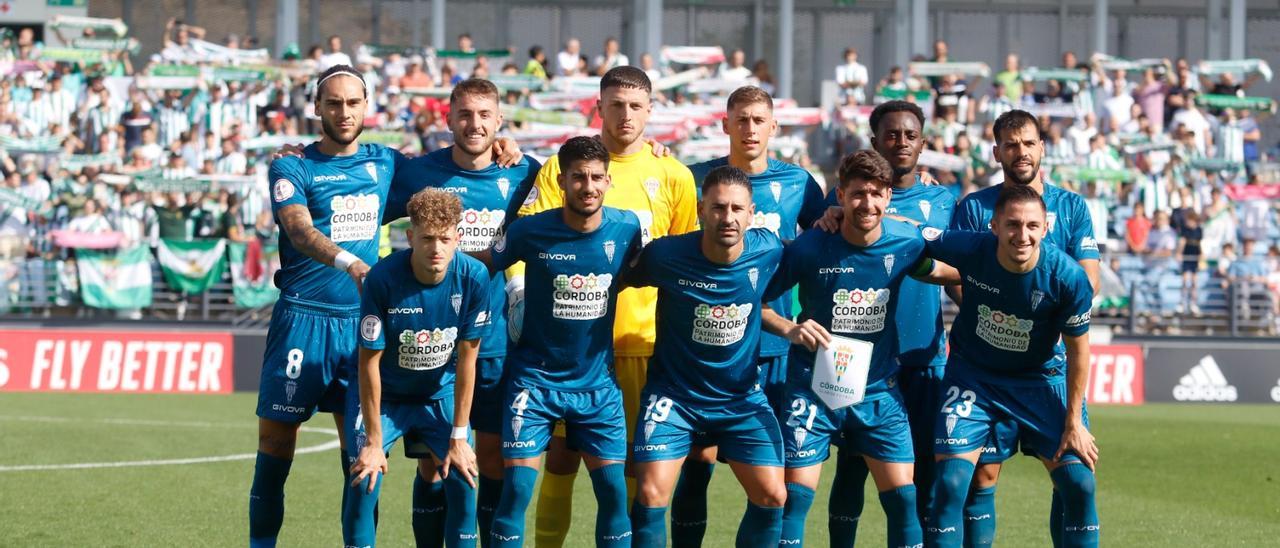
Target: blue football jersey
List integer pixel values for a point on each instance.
(1069, 226)
(708, 335)
(1009, 323)
(571, 285)
(786, 197)
(922, 340)
(852, 290)
(490, 198)
(417, 326)
(345, 195)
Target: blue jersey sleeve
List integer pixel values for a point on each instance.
(788, 273)
(968, 216)
(1077, 300)
(289, 183)
(638, 272)
(373, 311)
(944, 210)
(814, 206)
(1082, 244)
(476, 314)
(402, 188)
(522, 190)
(509, 247)
(954, 247)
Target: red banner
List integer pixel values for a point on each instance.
(1116, 375)
(53, 360)
(1253, 192)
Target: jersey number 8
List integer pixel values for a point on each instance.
(293, 369)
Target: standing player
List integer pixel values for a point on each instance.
(559, 367)
(434, 303)
(1069, 228)
(329, 204)
(703, 379)
(660, 191)
(1021, 297)
(490, 195)
(851, 283)
(785, 196)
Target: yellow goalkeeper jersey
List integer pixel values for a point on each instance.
(660, 191)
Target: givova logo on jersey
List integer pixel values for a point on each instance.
(480, 228)
(859, 310)
(1003, 330)
(580, 296)
(720, 325)
(354, 218)
(426, 349)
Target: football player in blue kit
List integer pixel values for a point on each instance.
(328, 203)
(1019, 148)
(558, 370)
(432, 304)
(1020, 299)
(786, 197)
(850, 283)
(490, 194)
(703, 379)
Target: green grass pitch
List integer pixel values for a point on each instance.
(1190, 475)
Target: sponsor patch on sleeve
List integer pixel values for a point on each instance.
(282, 190)
(532, 197)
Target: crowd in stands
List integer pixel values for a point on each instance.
(1178, 177)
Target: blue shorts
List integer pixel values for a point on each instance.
(877, 428)
(489, 396)
(773, 378)
(311, 349)
(972, 412)
(594, 421)
(921, 387)
(1002, 445)
(425, 426)
(746, 431)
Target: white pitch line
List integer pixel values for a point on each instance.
(331, 444)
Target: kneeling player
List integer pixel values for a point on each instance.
(433, 303)
(559, 368)
(703, 378)
(1019, 297)
(850, 282)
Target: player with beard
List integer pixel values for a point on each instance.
(490, 194)
(660, 191)
(329, 205)
(1019, 148)
(1021, 299)
(559, 367)
(785, 197)
(703, 381)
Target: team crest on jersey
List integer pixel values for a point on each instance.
(372, 170)
(952, 419)
(925, 209)
(776, 188)
(283, 190)
(1050, 219)
(888, 264)
(504, 186)
(456, 301)
(651, 186)
(290, 388)
(753, 275)
(1036, 297)
(800, 434)
(517, 422)
(649, 427)
(609, 248)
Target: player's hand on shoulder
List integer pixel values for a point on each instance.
(927, 179)
(659, 150)
(286, 151)
(462, 458)
(809, 334)
(830, 221)
(1077, 439)
(371, 462)
(358, 271)
(506, 152)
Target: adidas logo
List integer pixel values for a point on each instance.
(1275, 392)
(1205, 383)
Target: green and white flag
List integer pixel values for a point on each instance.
(1038, 74)
(1264, 104)
(943, 69)
(192, 266)
(115, 279)
(71, 22)
(250, 291)
(72, 55)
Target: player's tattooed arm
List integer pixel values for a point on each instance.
(809, 333)
(1076, 437)
(295, 219)
(370, 460)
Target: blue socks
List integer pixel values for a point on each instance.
(1055, 519)
(980, 517)
(900, 516)
(649, 525)
(946, 518)
(799, 499)
(460, 512)
(266, 499)
(761, 527)
(613, 526)
(428, 511)
(490, 494)
(689, 504)
(1076, 484)
(508, 520)
(358, 526)
(847, 498)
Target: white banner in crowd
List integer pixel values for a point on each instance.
(693, 55)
